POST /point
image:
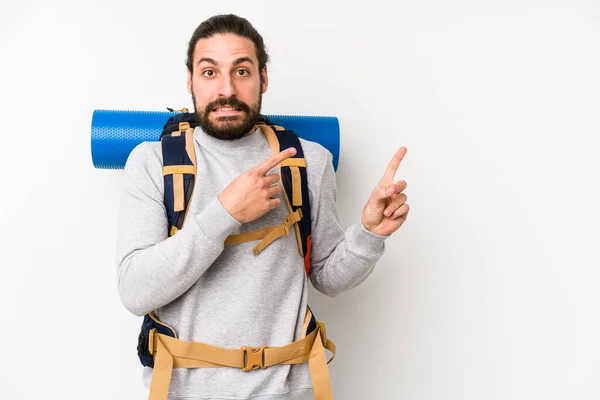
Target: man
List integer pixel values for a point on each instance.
(226, 296)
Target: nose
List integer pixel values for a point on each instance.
(226, 86)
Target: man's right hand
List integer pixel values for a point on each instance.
(250, 195)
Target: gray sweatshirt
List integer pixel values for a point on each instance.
(226, 296)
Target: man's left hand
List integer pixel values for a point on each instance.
(386, 210)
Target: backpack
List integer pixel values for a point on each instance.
(158, 343)
(179, 171)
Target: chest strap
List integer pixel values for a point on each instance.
(268, 235)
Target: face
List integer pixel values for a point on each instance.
(226, 85)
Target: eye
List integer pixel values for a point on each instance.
(242, 72)
(209, 73)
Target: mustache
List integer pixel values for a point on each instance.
(229, 101)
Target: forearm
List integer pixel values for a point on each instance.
(350, 263)
(150, 276)
(341, 259)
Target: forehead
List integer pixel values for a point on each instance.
(225, 48)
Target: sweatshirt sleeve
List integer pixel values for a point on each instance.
(340, 259)
(152, 268)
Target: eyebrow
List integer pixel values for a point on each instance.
(236, 62)
(243, 59)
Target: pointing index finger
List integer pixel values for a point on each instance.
(392, 167)
(274, 160)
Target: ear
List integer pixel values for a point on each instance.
(189, 82)
(264, 80)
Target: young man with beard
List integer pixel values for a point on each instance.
(226, 296)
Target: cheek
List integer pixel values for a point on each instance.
(251, 93)
(201, 95)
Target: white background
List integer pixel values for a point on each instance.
(489, 291)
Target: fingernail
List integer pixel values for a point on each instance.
(390, 190)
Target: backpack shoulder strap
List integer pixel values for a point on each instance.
(179, 172)
(295, 183)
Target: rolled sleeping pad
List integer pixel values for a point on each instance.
(115, 133)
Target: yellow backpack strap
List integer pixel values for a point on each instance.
(270, 234)
(170, 352)
(317, 362)
(276, 232)
(295, 187)
(295, 184)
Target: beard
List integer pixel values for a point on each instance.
(228, 127)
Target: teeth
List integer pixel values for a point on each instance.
(225, 109)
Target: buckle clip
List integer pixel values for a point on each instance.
(254, 358)
(151, 341)
(287, 224)
(286, 227)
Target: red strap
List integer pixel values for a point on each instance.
(307, 255)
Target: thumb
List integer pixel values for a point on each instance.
(380, 195)
(383, 192)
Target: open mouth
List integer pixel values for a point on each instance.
(226, 110)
